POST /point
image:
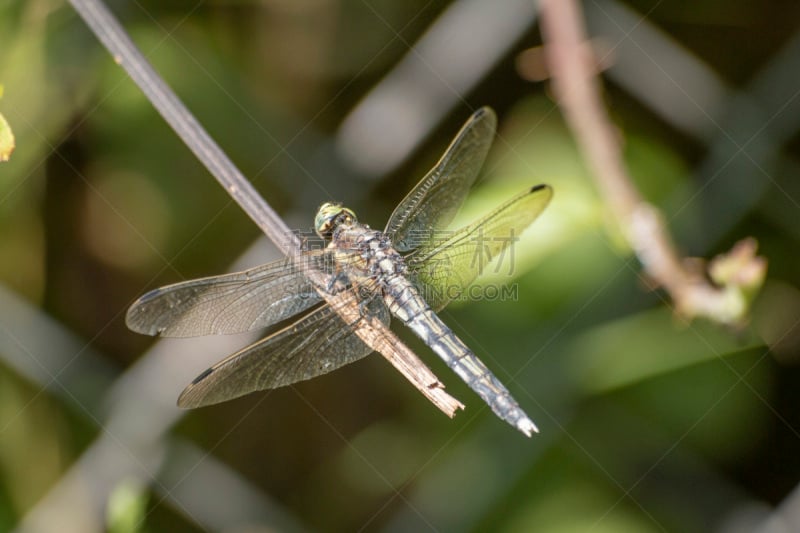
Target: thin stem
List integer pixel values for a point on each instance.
(578, 89)
(125, 54)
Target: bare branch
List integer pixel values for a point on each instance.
(578, 90)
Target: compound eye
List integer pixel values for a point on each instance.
(326, 216)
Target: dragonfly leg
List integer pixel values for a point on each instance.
(337, 278)
(363, 307)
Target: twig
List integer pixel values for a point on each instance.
(377, 336)
(737, 275)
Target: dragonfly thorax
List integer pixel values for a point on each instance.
(329, 216)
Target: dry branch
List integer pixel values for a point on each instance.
(736, 275)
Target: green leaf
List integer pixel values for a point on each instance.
(645, 345)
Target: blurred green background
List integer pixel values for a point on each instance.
(647, 423)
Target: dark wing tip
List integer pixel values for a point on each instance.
(544, 191)
(203, 375)
(487, 117)
(484, 110)
(190, 398)
(540, 187)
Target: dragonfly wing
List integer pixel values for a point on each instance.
(314, 345)
(230, 303)
(436, 199)
(443, 270)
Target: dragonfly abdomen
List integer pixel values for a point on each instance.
(406, 304)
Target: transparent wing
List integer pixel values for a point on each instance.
(443, 269)
(436, 199)
(314, 345)
(230, 303)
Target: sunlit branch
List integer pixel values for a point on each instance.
(723, 292)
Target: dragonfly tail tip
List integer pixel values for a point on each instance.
(527, 427)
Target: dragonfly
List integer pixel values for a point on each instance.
(410, 271)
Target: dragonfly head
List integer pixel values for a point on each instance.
(331, 215)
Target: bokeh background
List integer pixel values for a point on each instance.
(647, 423)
